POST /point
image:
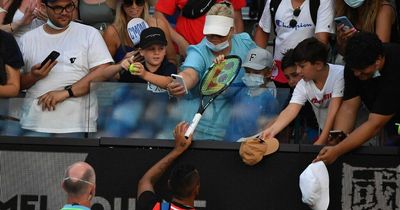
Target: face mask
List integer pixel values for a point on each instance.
(51, 25)
(253, 80)
(218, 47)
(354, 3)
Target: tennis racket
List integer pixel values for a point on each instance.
(217, 78)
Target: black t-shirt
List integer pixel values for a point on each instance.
(381, 94)
(11, 55)
(166, 69)
(147, 200)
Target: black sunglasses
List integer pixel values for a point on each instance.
(296, 13)
(137, 2)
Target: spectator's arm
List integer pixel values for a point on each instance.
(330, 118)
(11, 88)
(347, 114)
(261, 37)
(384, 21)
(190, 77)
(356, 138)
(323, 37)
(150, 178)
(111, 39)
(238, 21)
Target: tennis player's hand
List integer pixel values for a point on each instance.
(181, 143)
(219, 59)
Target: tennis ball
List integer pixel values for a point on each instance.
(132, 68)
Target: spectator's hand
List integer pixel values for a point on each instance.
(181, 143)
(138, 69)
(49, 100)
(6, 4)
(176, 89)
(327, 154)
(28, 15)
(219, 59)
(40, 73)
(267, 134)
(134, 56)
(343, 35)
(40, 13)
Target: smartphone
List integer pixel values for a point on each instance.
(345, 21)
(337, 134)
(179, 79)
(52, 56)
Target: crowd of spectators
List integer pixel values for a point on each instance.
(185, 38)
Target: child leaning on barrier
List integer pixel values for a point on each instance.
(322, 85)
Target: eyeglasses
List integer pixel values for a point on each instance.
(59, 9)
(296, 13)
(128, 3)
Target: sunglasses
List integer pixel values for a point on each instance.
(293, 21)
(137, 2)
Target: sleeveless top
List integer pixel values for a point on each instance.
(96, 15)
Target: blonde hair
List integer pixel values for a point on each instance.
(121, 22)
(364, 16)
(223, 9)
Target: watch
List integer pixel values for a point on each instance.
(69, 89)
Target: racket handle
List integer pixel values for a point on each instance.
(193, 125)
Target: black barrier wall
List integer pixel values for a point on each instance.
(31, 170)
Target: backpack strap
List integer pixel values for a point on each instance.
(314, 5)
(273, 7)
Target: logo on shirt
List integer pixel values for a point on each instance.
(325, 97)
(72, 60)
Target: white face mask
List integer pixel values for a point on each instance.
(218, 47)
(51, 25)
(253, 80)
(354, 3)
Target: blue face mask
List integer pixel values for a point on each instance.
(217, 48)
(51, 25)
(354, 3)
(253, 80)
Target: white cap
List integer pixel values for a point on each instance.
(314, 186)
(217, 24)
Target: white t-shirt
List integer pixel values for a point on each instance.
(81, 48)
(320, 99)
(288, 37)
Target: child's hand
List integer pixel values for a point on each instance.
(137, 69)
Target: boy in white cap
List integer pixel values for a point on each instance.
(259, 96)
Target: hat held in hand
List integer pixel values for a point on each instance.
(253, 149)
(314, 186)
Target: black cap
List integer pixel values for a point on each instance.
(150, 36)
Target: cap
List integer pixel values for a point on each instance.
(314, 186)
(150, 36)
(258, 59)
(135, 28)
(217, 24)
(253, 149)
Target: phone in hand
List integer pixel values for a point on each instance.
(52, 56)
(337, 134)
(179, 79)
(345, 21)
